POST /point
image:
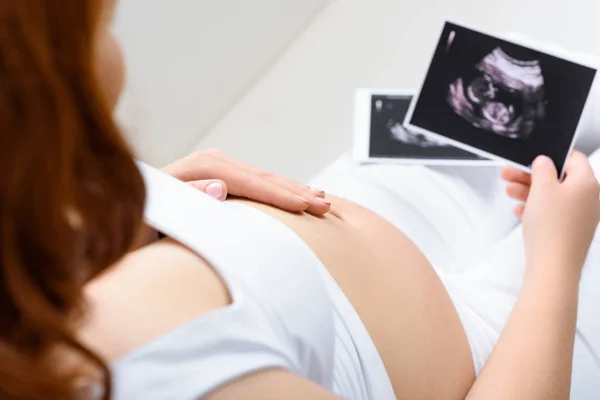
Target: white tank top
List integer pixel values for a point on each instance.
(287, 311)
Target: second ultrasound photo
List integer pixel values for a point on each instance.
(382, 138)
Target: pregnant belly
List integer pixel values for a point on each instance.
(397, 294)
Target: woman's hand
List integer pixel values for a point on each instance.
(218, 175)
(559, 218)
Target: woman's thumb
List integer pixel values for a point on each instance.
(212, 187)
(543, 171)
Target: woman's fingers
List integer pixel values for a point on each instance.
(317, 204)
(518, 187)
(519, 210)
(249, 185)
(518, 191)
(213, 187)
(317, 192)
(257, 188)
(316, 198)
(510, 174)
(246, 180)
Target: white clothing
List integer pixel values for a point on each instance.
(287, 311)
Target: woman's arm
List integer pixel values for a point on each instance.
(533, 358)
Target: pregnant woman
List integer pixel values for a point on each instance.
(417, 284)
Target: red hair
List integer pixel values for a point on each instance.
(71, 197)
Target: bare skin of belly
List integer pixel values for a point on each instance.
(397, 295)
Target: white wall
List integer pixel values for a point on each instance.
(191, 60)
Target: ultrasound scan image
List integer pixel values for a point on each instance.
(500, 98)
(398, 132)
(403, 135)
(505, 97)
(389, 138)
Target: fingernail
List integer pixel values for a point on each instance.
(541, 160)
(302, 199)
(215, 190)
(317, 192)
(324, 201)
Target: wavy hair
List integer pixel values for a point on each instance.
(71, 196)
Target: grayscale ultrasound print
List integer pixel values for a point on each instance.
(510, 101)
(401, 134)
(389, 138)
(506, 97)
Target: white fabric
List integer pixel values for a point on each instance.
(463, 222)
(287, 311)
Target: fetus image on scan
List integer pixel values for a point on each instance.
(505, 97)
(398, 132)
(401, 134)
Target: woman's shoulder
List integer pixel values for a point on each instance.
(150, 292)
(157, 289)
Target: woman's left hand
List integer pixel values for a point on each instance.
(218, 175)
(518, 185)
